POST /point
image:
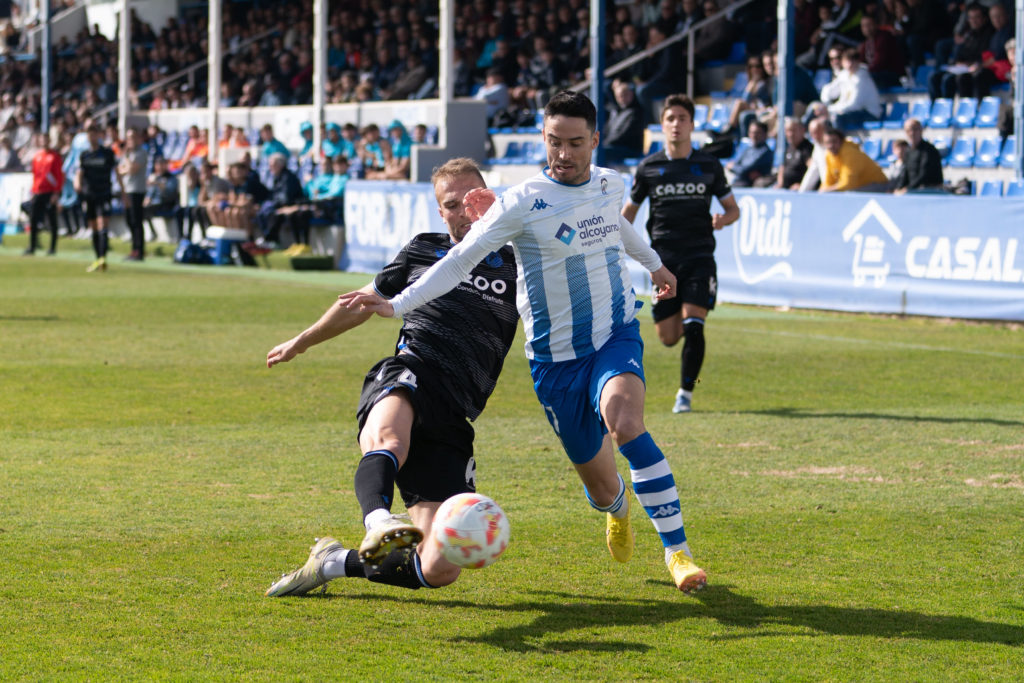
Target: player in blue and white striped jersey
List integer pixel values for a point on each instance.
(578, 308)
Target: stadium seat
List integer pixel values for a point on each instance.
(738, 84)
(872, 147)
(988, 112)
(656, 146)
(885, 157)
(1015, 188)
(898, 112)
(821, 78)
(536, 154)
(700, 116)
(962, 155)
(511, 155)
(920, 110)
(991, 188)
(988, 153)
(941, 114)
(965, 112)
(921, 76)
(718, 119)
(1008, 156)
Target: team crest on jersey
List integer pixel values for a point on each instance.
(604, 186)
(439, 253)
(494, 260)
(695, 169)
(539, 205)
(565, 233)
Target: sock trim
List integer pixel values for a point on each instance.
(391, 456)
(419, 571)
(616, 504)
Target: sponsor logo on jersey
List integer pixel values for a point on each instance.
(679, 190)
(539, 205)
(484, 285)
(565, 233)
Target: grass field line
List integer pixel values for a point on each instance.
(880, 343)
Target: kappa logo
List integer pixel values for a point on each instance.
(565, 233)
(665, 511)
(632, 361)
(539, 205)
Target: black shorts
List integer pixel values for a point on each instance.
(96, 205)
(696, 283)
(440, 462)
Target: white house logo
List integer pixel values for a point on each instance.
(761, 243)
(869, 240)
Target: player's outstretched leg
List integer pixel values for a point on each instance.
(309, 576)
(692, 360)
(375, 485)
(655, 488)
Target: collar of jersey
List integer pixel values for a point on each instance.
(559, 182)
(692, 150)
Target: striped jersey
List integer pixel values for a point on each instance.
(573, 287)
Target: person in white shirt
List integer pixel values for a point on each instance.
(816, 167)
(859, 100)
(578, 308)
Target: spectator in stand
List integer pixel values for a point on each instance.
(756, 95)
(419, 134)
(895, 169)
(922, 167)
(495, 93)
(921, 23)
(47, 181)
(374, 153)
(334, 144)
(881, 53)
(328, 190)
(408, 83)
(131, 173)
(690, 14)
(306, 133)
(840, 27)
(195, 147)
(797, 158)
(275, 95)
(283, 206)
(848, 167)
(817, 167)
(956, 73)
(859, 100)
(401, 152)
(162, 196)
(193, 210)
(226, 137)
(715, 40)
(271, 145)
(624, 128)
(9, 160)
(1005, 123)
(754, 162)
(239, 140)
(630, 46)
(663, 74)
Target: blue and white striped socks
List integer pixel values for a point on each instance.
(655, 488)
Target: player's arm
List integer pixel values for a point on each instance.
(731, 215)
(630, 210)
(338, 318)
(641, 252)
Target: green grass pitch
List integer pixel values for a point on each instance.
(853, 485)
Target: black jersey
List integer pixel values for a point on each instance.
(466, 333)
(680, 191)
(97, 166)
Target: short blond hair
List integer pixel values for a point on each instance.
(454, 168)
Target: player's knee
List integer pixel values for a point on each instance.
(626, 428)
(670, 337)
(437, 571)
(693, 329)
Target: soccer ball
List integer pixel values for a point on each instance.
(470, 530)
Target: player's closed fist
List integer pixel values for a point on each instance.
(477, 201)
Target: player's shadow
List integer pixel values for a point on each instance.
(562, 613)
(797, 413)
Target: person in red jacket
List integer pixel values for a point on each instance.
(47, 181)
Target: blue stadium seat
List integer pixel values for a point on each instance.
(700, 116)
(821, 78)
(511, 155)
(885, 156)
(656, 146)
(718, 119)
(962, 155)
(965, 112)
(738, 84)
(898, 112)
(921, 76)
(1008, 157)
(941, 114)
(988, 153)
(991, 188)
(1015, 188)
(920, 110)
(536, 154)
(988, 112)
(872, 147)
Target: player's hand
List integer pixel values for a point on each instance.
(366, 302)
(664, 284)
(282, 353)
(477, 201)
(718, 221)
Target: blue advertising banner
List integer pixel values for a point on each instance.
(936, 255)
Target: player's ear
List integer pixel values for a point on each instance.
(596, 139)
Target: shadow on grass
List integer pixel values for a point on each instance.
(29, 318)
(563, 612)
(803, 414)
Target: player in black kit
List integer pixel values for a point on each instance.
(680, 182)
(93, 184)
(413, 426)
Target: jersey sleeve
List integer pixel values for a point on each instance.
(639, 191)
(721, 187)
(497, 227)
(636, 247)
(394, 277)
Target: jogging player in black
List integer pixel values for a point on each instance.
(416, 405)
(93, 184)
(680, 183)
